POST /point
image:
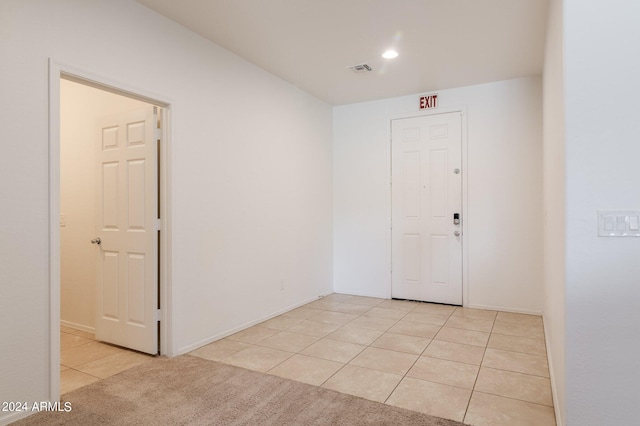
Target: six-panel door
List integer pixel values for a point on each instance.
(426, 164)
(126, 213)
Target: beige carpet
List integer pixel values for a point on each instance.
(192, 391)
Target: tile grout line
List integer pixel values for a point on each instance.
(287, 329)
(418, 358)
(79, 371)
(347, 363)
(475, 382)
(515, 399)
(76, 368)
(517, 372)
(408, 369)
(365, 346)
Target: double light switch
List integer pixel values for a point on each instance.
(619, 223)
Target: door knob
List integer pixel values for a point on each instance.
(96, 241)
(456, 233)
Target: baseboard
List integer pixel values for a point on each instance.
(475, 306)
(79, 327)
(552, 377)
(503, 309)
(14, 417)
(351, 293)
(203, 342)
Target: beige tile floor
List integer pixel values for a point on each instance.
(83, 360)
(477, 366)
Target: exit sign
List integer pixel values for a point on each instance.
(429, 101)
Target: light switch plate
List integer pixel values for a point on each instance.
(618, 223)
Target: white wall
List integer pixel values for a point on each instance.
(80, 107)
(601, 68)
(554, 211)
(251, 175)
(503, 224)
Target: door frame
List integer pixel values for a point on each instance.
(465, 191)
(57, 71)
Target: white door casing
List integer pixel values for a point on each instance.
(126, 215)
(426, 176)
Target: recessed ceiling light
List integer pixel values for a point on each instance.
(390, 54)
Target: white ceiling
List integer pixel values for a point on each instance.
(310, 43)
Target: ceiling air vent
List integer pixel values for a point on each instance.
(360, 68)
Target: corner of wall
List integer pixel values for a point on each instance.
(554, 206)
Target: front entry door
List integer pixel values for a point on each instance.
(126, 234)
(426, 176)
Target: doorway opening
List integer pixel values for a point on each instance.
(85, 289)
(108, 212)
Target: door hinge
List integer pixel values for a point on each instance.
(157, 225)
(157, 315)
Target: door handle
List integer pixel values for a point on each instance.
(456, 233)
(96, 241)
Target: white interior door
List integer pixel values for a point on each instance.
(126, 216)
(426, 193)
